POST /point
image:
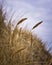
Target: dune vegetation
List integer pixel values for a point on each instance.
(21, 47)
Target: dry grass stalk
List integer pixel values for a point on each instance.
(21, 21)
(37, 25)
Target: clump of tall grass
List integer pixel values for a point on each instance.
(20, 47)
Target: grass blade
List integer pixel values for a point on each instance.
(18, 51)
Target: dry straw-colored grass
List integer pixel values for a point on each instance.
(20, 47)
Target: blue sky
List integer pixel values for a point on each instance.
(35, 11)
